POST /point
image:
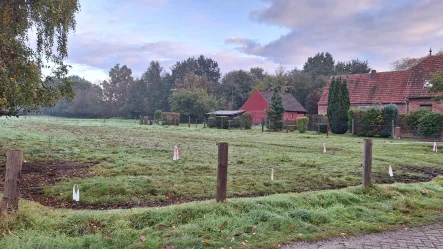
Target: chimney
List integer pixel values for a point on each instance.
(373, 74)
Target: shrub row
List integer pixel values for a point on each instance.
(223, 122)
(373, 121)
(424, 122)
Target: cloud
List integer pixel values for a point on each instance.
(385, 30)
(94, 56)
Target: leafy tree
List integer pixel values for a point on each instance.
(192, 103)
(276, 111)
(338, 106)
(235, 88)
(408, 62)
(115, 91)
(437, 83)
(352, 67)
(320, 64)
(155, 88)
(87, 103)
(22, 88)
(311, 104)
(405, 63)
(137, 101)
(302, 85)
(258, 75)
(192, 81)
(202, 67)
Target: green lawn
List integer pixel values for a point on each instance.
(119, 161)
(131, 163)
(264, 222)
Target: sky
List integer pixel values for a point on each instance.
(240, 34)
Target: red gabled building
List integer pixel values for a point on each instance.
(408, 89)
(259, 101)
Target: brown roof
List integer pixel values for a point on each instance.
(390, 87)
(290, 103)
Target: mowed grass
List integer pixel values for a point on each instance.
(263, 222)
(133, 163)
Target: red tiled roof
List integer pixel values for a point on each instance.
(290, 103)
(389, 87)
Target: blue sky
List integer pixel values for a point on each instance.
(244, 34)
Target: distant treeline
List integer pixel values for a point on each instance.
(195, 86)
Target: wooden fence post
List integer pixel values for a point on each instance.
(222, 172)
(189, 121)
(353, 127)
(262, 125)
(393, 129)
(367, 162)
(11, 194)
(287, 126)
(196, 119)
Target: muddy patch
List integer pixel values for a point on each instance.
(407, 174)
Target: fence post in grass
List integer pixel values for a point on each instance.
(353, 126)
(189, 121)
(204, 122)
(262, 125)
(393, 129)
(222, 172)
(196, 119)
(11, 193)
(229, 124)
(367, 162)
(287, 126)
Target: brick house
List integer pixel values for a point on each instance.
(259, 101)
(407, 89)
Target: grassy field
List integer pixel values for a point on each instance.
(124, 162)
(264, 222)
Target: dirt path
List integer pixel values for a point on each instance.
(413, 238)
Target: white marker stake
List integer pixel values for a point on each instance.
(176, 154)
(272, 174)
(435, 147)
(76, 193)
(324, 148)
(391, 174)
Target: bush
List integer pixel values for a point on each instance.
(431, 124)
(390, 112)
(292, 127)
(351, 116)
(171, 118)
(302, 124)
(412, 118)
(212, 122)
(247, 120)
(158, 115)
(339, 127)
(372, 122)
(323, 128)
(385, 133)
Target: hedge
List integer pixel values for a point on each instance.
(171, 118)
(247, 120)
(302, 124)
(431, 124)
